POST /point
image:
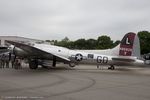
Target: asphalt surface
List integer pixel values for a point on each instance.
(79, 83)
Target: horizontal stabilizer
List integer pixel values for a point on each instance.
(123, 59)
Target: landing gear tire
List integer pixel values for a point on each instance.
(54, 61)
(33, 64)
(111, 67)
(72, 64)
(45, 67)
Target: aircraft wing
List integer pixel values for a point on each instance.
(35, 52)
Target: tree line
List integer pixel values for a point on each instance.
(102, 42)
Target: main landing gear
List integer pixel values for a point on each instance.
(71, 64)
(54, 61)
(111, 67)
(33, 64)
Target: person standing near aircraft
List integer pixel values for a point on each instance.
(7, 60)
(12, 60)
(3, 60)
(17, 63)
(0, 61)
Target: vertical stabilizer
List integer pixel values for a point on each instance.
(130, 45)
(136, 47)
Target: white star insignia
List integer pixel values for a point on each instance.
(78, 57)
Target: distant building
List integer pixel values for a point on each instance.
(16, 38)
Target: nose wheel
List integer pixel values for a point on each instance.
(111, 67)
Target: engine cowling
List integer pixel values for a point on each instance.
(4, 49)
(19, 52)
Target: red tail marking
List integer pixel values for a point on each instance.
(126, 45)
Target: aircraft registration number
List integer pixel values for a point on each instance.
(101, 59)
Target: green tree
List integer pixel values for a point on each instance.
(47, 40)
(66, 39)
(91, 44)
(64, 42)
(80, 44)
(71, 45)
(52, 42)
(104, 42)
(144, 37)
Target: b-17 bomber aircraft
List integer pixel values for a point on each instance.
(127, 53)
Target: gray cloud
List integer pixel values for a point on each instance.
(55, 19)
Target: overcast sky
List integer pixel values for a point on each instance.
(55, 19)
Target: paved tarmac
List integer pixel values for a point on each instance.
(79, 83)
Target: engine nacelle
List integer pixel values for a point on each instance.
(19, 52)
(3, 49)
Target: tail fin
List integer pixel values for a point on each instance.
(130, 45)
